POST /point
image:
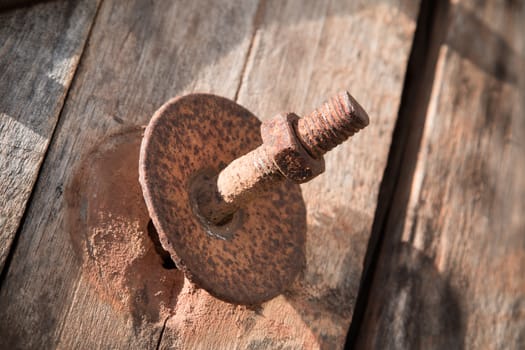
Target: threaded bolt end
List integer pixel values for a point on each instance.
(331, 124)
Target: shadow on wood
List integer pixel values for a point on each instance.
(422, 302)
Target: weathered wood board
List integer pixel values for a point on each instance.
(451, 271)
(39, 51)
(299, 55)
(272, 56)
(137, 57)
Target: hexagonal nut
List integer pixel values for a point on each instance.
(287, 152)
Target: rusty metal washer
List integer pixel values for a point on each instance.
(255, 255)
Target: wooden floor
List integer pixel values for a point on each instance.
(415, 233)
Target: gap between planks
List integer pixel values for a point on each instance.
(399, 172)
(452, 194)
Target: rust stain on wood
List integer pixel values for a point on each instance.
(108, 224)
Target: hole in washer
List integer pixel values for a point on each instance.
(225, 230)
(225, 221)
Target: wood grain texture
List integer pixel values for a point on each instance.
(139, 56)
(39, 51)
(303, 52)
(450, 273)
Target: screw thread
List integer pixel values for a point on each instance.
(331, 124)
(247, 177)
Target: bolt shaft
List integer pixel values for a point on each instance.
(331, 124)
(241, 181)
(252, 174)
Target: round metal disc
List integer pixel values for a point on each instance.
(259, 252)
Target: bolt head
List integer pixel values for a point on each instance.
(287, 152)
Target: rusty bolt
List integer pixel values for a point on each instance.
(292, 149)
(286, 150)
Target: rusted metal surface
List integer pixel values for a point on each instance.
(292, 149)
(286, 151)
(328, 126)
(205, 211)
(280, 157)
(240, 182)
(259, 252)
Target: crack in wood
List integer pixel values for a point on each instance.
(256, 24)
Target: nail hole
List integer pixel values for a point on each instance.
(167, 262)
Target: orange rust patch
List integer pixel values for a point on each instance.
(108, 224)
(264, 251)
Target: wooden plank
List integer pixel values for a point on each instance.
(450, 273)
(39, 52)
(138, 56)
(302, 52)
